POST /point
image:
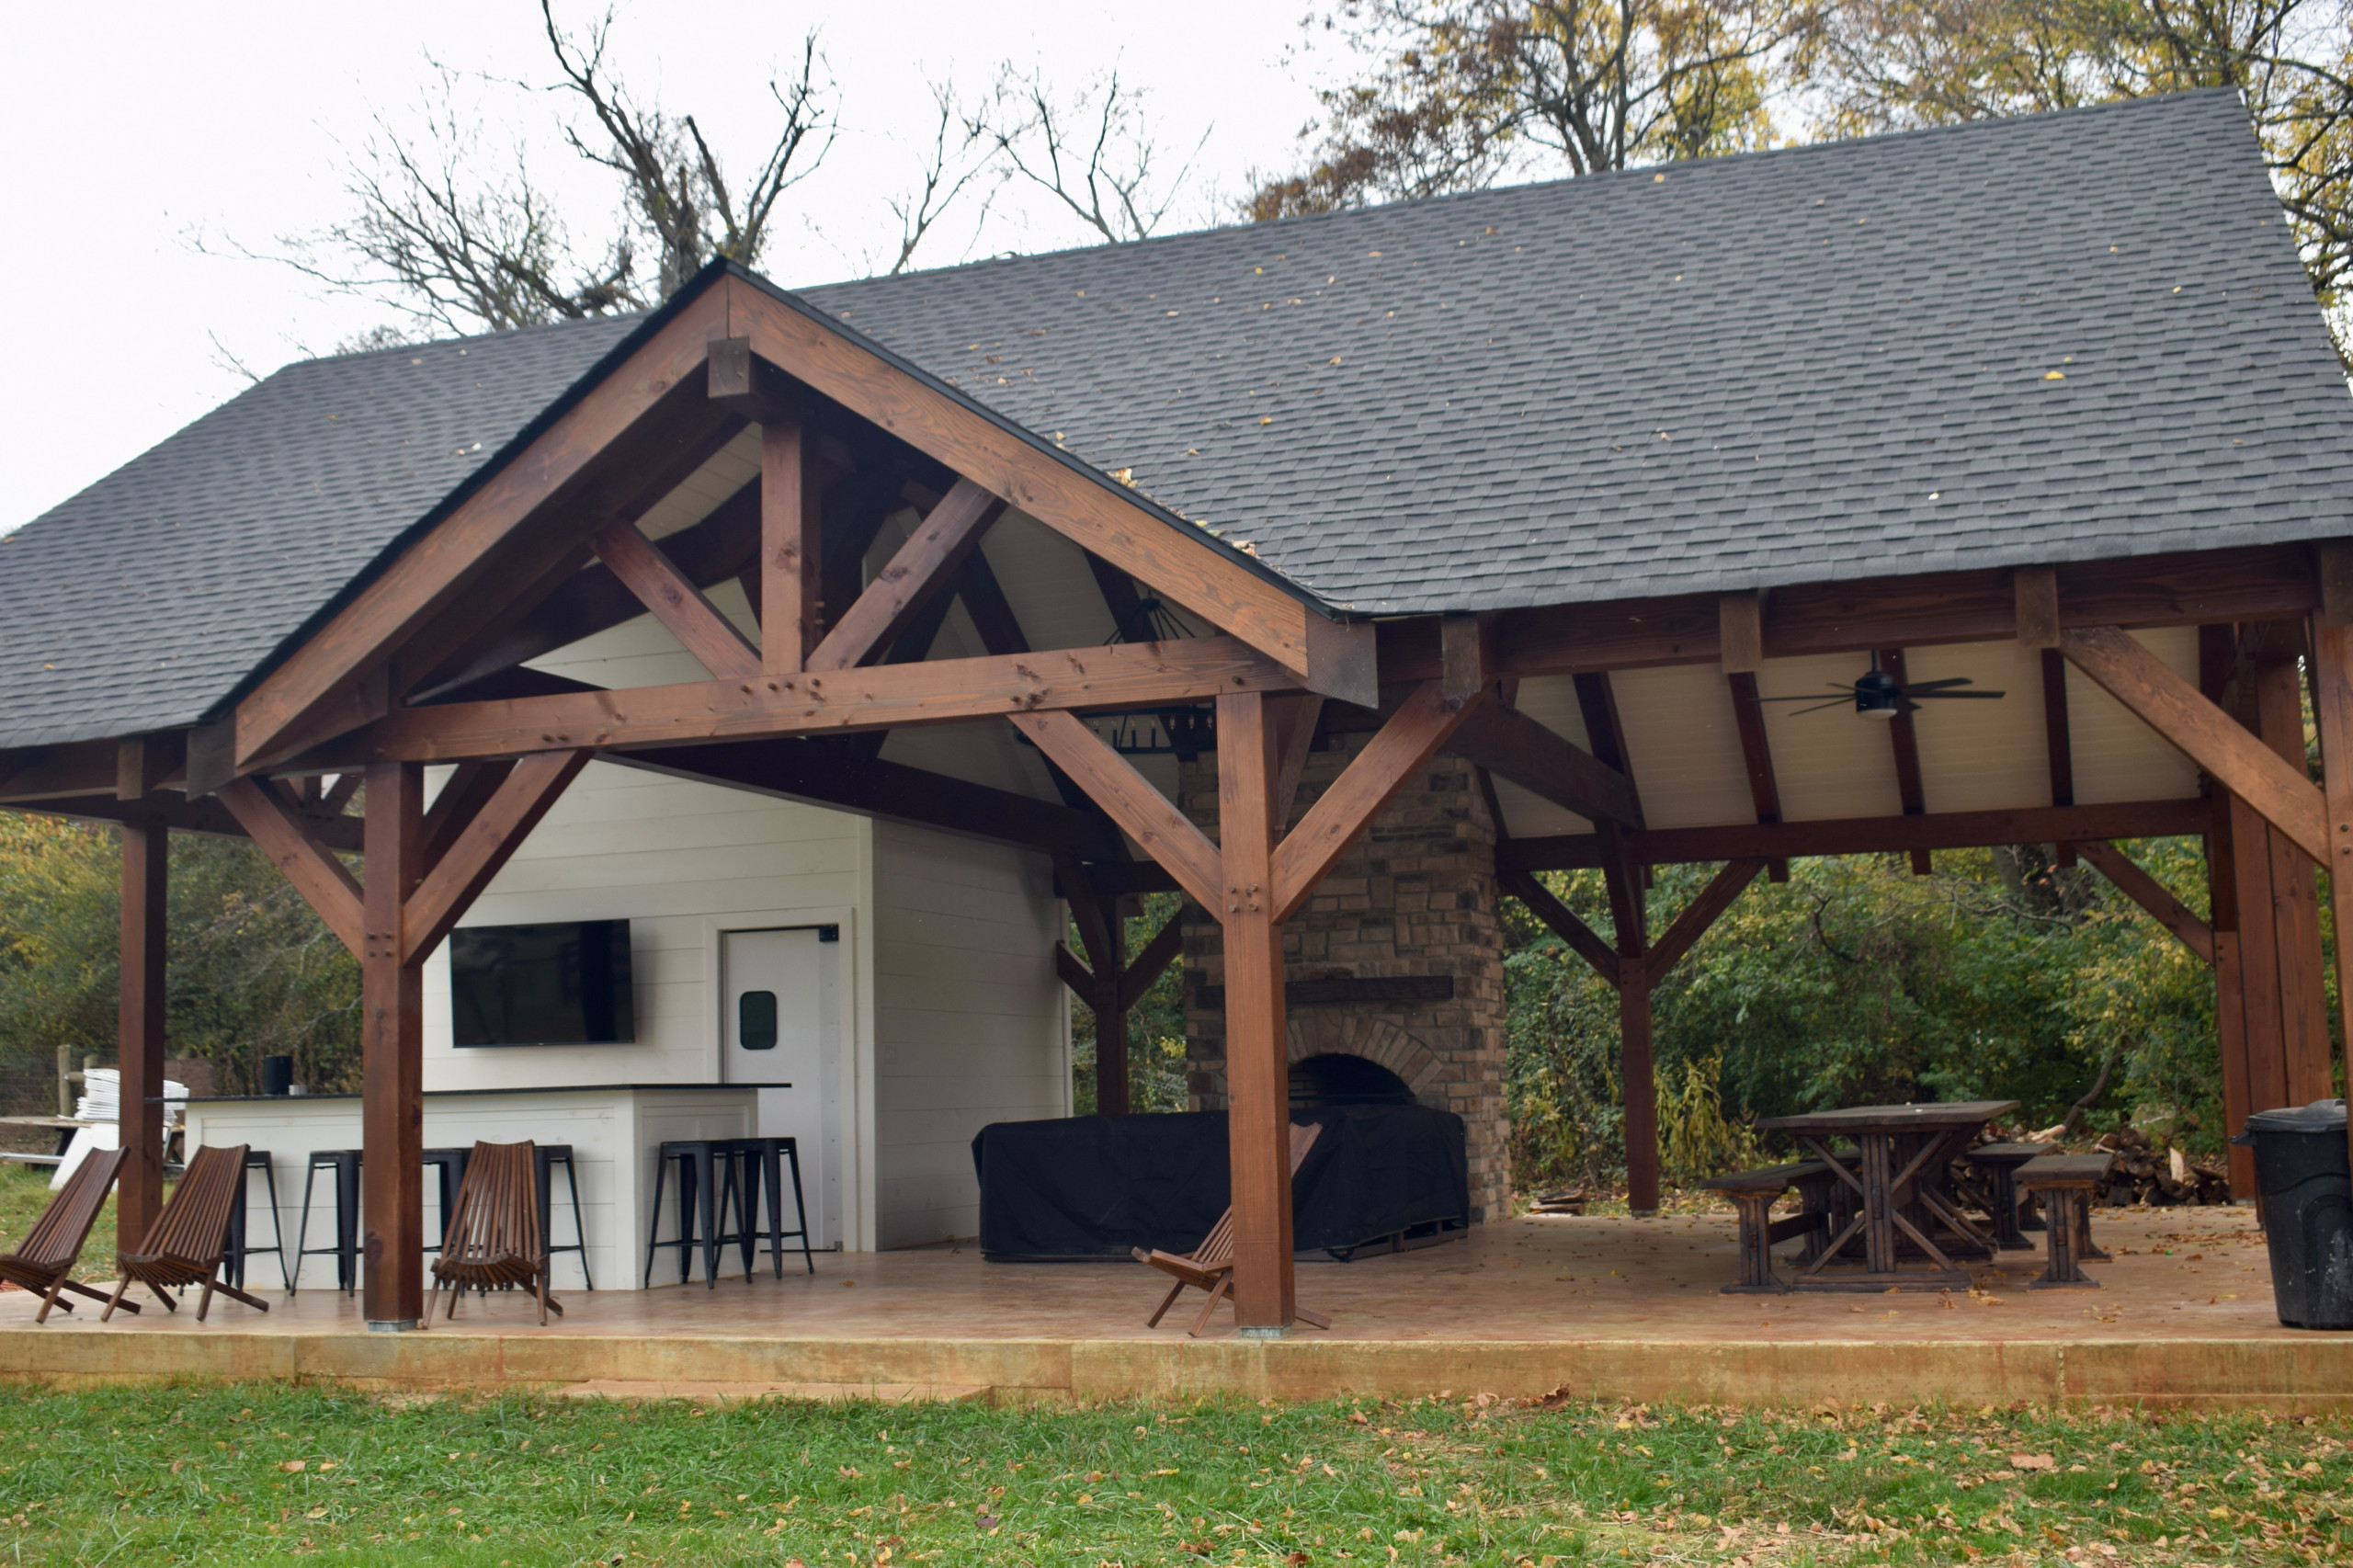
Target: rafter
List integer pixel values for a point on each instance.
(1905, 742)
(1868, 835)
(1697, 916)
(427, 578)
(1757, 757)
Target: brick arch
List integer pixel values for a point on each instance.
(1324, 1031)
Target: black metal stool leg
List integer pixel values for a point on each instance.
(579, 1222)
(233, 1265)
(277, 1225)
(653, 1222)
(799, 1208)
(346, 1225)
(303, 1227)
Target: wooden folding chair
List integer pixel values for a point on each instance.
(48, 1253)
(492, 1241)
(1209, 1266)
(189, 1243)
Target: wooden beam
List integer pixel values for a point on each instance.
(2037, 592)
(1906, 741)
(2333, 679)
(1145, 968)
(1511, 745)
(80, 767)
(207, 818)
(835, 702)
(2150, 895)
(2306, 1057)
(1464, 655)
(1562, 921)
(1638, 1080)
(427, 576)
(1868, 835)
(461, 799)
(1757, 758)
(818, 774)
(1144, 812)
(140, 993)
(676, 602)
(1621, 872)
(922, 569)
(533, 578)
(2057, 743)
(992, 612)
(1072, 971)
(2174, 709)
(1341, 814)
(2189, 588)
(1740, 633)
(315, 872)
(391, 1053)
(1295, 720)
(482, 846)
(1083, 505)
(1257, 1059)
(1697, 916)
(791, 557)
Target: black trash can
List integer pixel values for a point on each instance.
(277, 1074)
(2307, 1196)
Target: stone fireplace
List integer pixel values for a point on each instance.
(1396, 962)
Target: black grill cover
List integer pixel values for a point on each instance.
(1091, 1187)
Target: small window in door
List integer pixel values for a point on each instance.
(755, 1020)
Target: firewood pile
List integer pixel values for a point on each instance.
(2151, 1169)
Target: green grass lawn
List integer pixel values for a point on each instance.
(234, 1475)
(24, 1193)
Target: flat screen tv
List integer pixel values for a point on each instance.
(560, 984)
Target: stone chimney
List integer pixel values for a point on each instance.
(1398, 960)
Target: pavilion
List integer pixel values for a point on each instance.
(1562, 480)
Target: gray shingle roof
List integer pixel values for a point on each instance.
(1831, 361)
(2036, 340)
(145, 600)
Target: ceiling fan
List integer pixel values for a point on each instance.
(1877, 695)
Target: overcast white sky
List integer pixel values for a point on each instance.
(143, 130)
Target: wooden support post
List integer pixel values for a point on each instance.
(1256, 1065)
(1641, 1088)
(2057, 740)
(2333, 683)
(146, 858)
(2295, 893)
(2217, 655)
(789, 564)
(391, 1104)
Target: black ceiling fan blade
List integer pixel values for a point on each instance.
(1934, 685)
(1948, 695)
(1810, 697)
(1906, 705)
(1801, 712)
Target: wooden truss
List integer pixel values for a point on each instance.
(426, 663)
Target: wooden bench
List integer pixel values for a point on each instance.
(2065, 1183)
(1754, 1193)
(1998, 1163)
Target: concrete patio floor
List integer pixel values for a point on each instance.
(1603, 1307)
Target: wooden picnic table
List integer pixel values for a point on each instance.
(63, 1125)
(1898, 1183)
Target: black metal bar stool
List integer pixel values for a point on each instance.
(764, 1161)
(256, 1160)
(708, 1181)
(449, 1166)
(344, 1165)
(545, 1157)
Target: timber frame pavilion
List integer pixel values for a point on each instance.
(424, 661)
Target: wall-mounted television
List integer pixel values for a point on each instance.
(560, 984)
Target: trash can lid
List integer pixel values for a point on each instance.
(2321, 1116)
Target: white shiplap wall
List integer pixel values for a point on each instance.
(970, 1024)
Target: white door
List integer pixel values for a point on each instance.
(780, 1023)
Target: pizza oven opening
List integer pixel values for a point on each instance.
(1337, 1079)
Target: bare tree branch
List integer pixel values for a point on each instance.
(946, 172)
(1094, 152)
